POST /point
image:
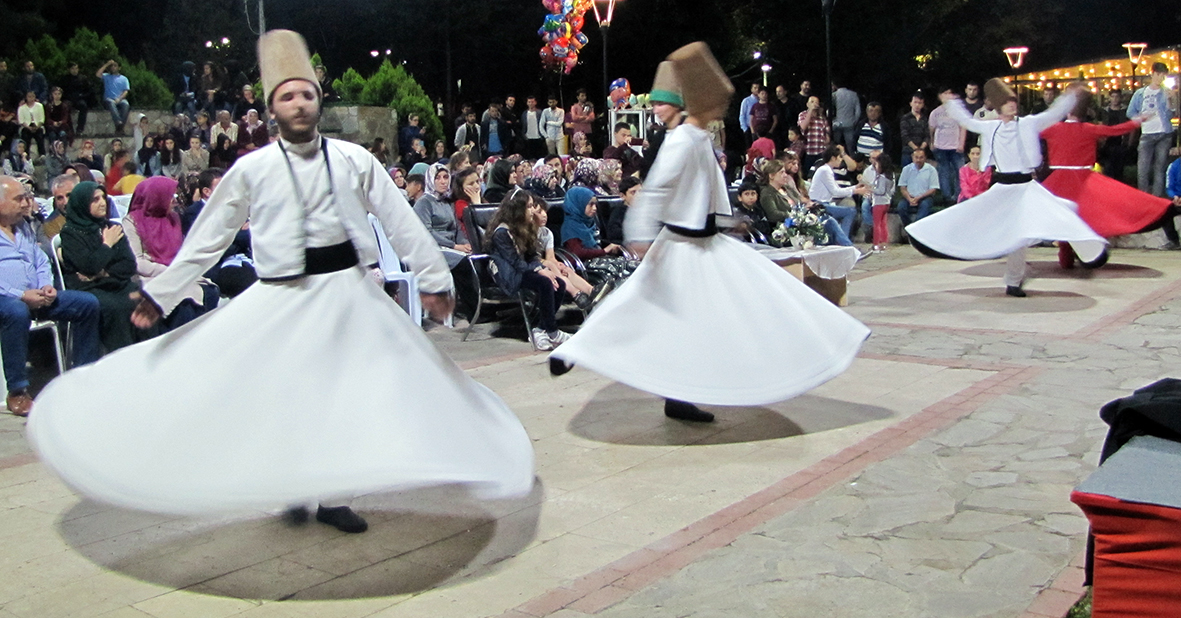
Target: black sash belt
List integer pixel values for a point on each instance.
(324, 260)
(711, 228)
(1011, 178)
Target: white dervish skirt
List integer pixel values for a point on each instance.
(1006, 218)
(709, 320)
(312, 390)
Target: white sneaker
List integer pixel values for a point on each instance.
(541, 341)
(558, 339)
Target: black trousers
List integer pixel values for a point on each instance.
(83, 111)
(547, 297)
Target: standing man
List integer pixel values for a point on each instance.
(27, 294)
(763, 119)
(787, 115)
(76, 90)
(918, 185)
(621, 150)
(974, 102)
(846, 115)
(468, 136)
(914, 129)
(552, 120)
(817, 135)
(495, 135)
(531, 128)
(744, 112)
(872, 135)
(34, 82)
(1159, 106)
(1113, 152)
(947, 137)
(288, 365)
(115, 89)
(512, 123)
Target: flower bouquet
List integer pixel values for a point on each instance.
(803, 229)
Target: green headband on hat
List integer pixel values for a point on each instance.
(667, 96)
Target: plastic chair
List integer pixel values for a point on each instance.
(391, 268)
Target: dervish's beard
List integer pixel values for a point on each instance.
(287, 130)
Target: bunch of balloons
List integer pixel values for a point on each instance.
(562, 33)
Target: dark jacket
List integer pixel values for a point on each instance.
(503, 130)
(86, 254)
(630, 160)
(615, 224)
(510, 265)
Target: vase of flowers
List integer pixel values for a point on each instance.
(803, 229)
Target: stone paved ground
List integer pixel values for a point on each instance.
(929, 480)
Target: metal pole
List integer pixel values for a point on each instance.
(828, 53)
(606, 82)
(262, 17)
(450, 108)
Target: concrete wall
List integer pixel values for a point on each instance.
(360, 124)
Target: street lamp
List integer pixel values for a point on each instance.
(1016, 56)
(827, 5)
(604, 26)
(1135, 53)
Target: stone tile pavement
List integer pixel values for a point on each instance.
(932, 479)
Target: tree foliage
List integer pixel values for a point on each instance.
(391, 86)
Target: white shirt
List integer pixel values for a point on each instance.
(1153, 98)
(1014, 146)
(532, 128)
(824, 186)
(684, 186)
(552, 121)
(26, 115)
(284, 222)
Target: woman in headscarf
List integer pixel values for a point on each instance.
(438, 215)
(56, 161)
(501, 180)
(96, 258)
(147, 160)
(224, 153)
(586, 174)
(581, 236)
(422, 169)
(170, 158)
(610, 175)
(543, 182)
(88, 156)
(17, 159)
(110, 159)
(152, 229)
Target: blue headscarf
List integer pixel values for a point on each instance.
(577, 224)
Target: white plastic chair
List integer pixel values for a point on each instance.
(391, 267)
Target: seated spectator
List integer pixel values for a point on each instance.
(179, 131)
(784, 191)
(621, 150)
(545, 182)
(438, 215)
(586, 174)
(918, 185)
(31, 118)
(118, 168)
(116, 148)
(17, 160)
(196, 159)
(1173, 182)
(56, 161)
(585, 294)
(128, 180)
(252, 133)
(58, 124)
(153, 233)
(234, 273)
(97, 259)
(141, 129)
(225, 126)
(27, 293)
(501, 180)
(415, 187)
(825, 190)
(610, 175)
(628, 188)
(209, 88)
(973, 180)
(202, 129)
(59, 188)
(458, 161)
(170, 158)
(9, 129)
(763, 145)
(465, 190)
(224, 153)
(183, 86)
(148, 158)
(248, 102)
(88, 157)
(78, 94)
(604, 261)
(417, 154)
(748, 222)
(439, 153)
(512, 245)
(398, 175)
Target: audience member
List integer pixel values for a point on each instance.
(816, 132)
(495, 135)
(225, 151)
(184, 97)
(209, 87)
(747, 222)
(17, 160)
(872, 135)
(465, 191)
(56, 161)
(9, 129)
(34, 82)
(1049, 94)
(621, 150)
(545, 182)
(1155, 102)
(881, 186)
(415, 187)
(171, 158)
(786, 113)
(97, 259)
(467, 137)
(77, 93)
(581, 236)
(328, 93)
(31, 117)
(764, 117)
(947, 139)
(409, 133)
(914, 129)
(532, 129)
(115, 89)
(88, 157)
(196, 159)
(1113, 151)
(918, 185)
(248, 102)
(438, 215)
(628, 189)
(581, 116)
(846, 114)
(147, 159)
(552, 121)
(744, 111)
(59, 189)
(585, 295)
(824, 189)
(252, 133)
(58, 124)
(974, 180)
(116, 149)
(501, 180)
(27, 293)
(610, 175)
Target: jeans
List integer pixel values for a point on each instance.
(844, 215)
(948, 164)
(866, 216)
(1154, 159)
(925, 206)
(80, 309)
(119, 111)
(846, 136)
(836, 234)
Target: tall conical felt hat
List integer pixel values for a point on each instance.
(283, 56)
(997, 93)
(666, 88)
(704, 84)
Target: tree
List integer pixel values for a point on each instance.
(391, 86)
(90, 52)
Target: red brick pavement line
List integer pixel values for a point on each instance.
(1056, 600)
(1108, 324)
(958, 329)
(484, 362)
(621, 579)
(17, 460)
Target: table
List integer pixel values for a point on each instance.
(824, 269)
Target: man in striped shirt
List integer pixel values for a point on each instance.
(871, 134)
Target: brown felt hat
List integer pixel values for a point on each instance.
(283, 56)
(666, 88)
(704, 84)
(997, 93)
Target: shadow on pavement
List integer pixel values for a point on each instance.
(1051, 270)
(990, 299)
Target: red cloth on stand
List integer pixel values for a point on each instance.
(1137, 557)
(1110, 207)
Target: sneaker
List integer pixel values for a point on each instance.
(557, 338)
(540, 340)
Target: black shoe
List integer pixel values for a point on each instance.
(1015, 290)
(601, 291)
(298, 515)
(558, 367)
(583, 301)
(686, 412)
(342, 518)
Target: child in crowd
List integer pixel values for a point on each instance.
(748, 223)
(882, 193)
(585, 295)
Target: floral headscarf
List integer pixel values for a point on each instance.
(586, 173)
(607, 181)
(429, 182)
(543, 181)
